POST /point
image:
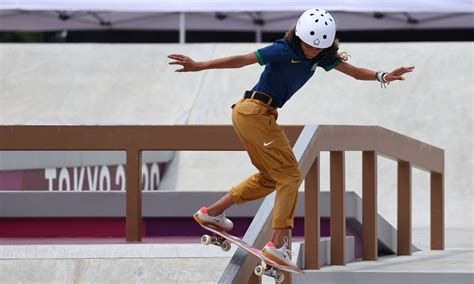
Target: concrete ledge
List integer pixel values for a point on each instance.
(112, 251)
(155, 204)
(434, 267)
(325, 251)
(163, 204)
(129, 270)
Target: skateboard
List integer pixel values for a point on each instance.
(268, 267)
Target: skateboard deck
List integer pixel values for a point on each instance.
(269, 267)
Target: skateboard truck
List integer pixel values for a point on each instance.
(263, 269)
(217, 241)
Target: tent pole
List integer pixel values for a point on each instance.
(182, 28)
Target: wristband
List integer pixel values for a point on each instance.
(380, 76)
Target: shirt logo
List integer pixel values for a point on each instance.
(266, 144)
(295, 61)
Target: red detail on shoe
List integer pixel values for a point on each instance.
(270, 244)
(204, 210)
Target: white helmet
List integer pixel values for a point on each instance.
(317, 28)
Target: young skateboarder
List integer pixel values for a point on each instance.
(289, 64)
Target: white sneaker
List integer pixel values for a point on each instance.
(220, 222)
(279, 255)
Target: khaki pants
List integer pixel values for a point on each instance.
(270, 152)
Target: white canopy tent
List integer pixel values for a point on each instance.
(242, 15)
(441, 6)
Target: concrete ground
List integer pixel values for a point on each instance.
(195, 263)
(449, 266)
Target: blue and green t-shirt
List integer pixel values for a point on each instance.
(287, 69)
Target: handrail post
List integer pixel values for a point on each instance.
(338, 219)
(312, 217)
(437, 211)
(369, 205)
(404, 208)
(133, 196)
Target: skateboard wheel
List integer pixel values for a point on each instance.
(206, 240)
(279, 277)
(226, 246)
(258, 270)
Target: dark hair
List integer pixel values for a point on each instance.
(332, 51)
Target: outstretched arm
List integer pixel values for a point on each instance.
(235, 61)
(366, 74)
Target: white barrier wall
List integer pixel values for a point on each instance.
(93, 84)
(133, 84)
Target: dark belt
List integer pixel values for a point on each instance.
(266, 99)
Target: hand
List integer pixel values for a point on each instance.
(397, 73)
(186, 62)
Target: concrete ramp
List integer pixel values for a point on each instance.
(89, 84)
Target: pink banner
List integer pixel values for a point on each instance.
(86, 178)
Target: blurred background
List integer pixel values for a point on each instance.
(229, 21)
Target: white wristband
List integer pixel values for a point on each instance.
(379, 75)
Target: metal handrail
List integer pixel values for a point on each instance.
(371, 140)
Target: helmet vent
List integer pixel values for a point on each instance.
(316, 27)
